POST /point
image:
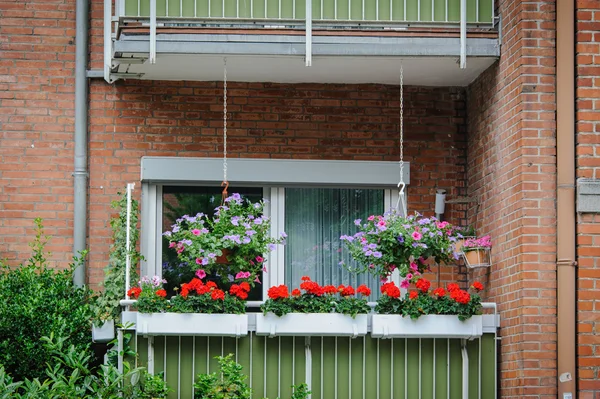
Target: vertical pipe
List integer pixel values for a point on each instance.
(308, 33)
(463, 34)
(128, 242)
(151, 354)
(565, 198)
(80, 172)
(152, 55)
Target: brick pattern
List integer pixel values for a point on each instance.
(36, 124)
(132, 119)
(588, 166)
(511, 166)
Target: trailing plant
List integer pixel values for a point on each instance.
(35, 301)
(313, 298)
(423, 301)
(230, 383)
(232, 244)
(392, 242)
(107, 304)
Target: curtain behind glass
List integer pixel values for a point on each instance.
(315, 218)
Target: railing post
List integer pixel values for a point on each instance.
(152, 55)
(463, 34)
(308, 33)
(128, 243)
(107, 39)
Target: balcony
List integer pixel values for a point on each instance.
(440, 42)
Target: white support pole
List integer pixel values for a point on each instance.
(465, 369)
(308, 33)
(308, 364)
(152, 56)
(128, 243)
(107, 39)
(463, 34)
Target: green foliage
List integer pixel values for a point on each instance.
(69, 375)
(352, 306)
(36, 301)
(230, 383)
(107, 304)
(205, 304)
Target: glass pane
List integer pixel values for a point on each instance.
(315, 219)
(182, 200)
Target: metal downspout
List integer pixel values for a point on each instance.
(565, 199)
(81, 123)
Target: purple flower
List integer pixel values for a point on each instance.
(271, 247)
(186, 242)
(377, 254)
(200, 273)
(235, 238)
(257, 206)
(212, 255)
(204, 261)
(347, 238)
(258, 221)
(235, 220)
(372, 246)
(357, 222)
(247, 225)
(368, 253)
(283, 234)
(400, 239)
(250, 233)
(167, 234)
(175, 228)
(246, 240)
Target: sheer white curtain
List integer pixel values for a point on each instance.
(315, 218)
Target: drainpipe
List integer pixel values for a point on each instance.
(81, 123)
(565, 199)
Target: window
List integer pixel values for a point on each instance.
(312, 207)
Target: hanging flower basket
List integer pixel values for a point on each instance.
(408, 244)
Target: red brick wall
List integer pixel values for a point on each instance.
(511, 174)
(588, 166)
(36, 124)
(132, 119)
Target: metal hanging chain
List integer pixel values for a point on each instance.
(401, 184)
(225, 183)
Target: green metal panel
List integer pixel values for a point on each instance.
(368, 10)
(342, 368)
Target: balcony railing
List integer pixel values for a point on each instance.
(444, 12)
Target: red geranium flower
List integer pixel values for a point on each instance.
(161, 293)
(305, 278)
(217, 294)
(296, 292)
(280, 291)
(453, 287)
(413, 295)
(363, 290)
(477, 286)
(312, 288)
(210, 284)
(245, 286)
(423, 285)
(460, 296)
(329, 289)
(347, 291)
(439, 292)
(390, 290)
(134, 292)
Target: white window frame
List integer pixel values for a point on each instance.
(272, 175)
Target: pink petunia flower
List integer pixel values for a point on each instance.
(417, 236)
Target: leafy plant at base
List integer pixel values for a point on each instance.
(230, 383)
(416, 303)
(36, 301)
(107, 304)
(317, 299)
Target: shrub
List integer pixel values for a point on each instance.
(36, 301)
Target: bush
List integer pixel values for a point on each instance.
(36, 301)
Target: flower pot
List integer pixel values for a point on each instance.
(429, 326)
(231, 325)
(460, 242)
(477, 257)
(104, 332)
(311, 324)
(222, 260)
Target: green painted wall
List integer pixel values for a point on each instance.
(343, 10)
(344, 368)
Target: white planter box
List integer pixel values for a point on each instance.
(430, 326)
(233, 325)
(104, 333)
(129, 317)
(311, 324)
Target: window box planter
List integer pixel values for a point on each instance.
(105, 332)
(429, 326)
(311, 324)
(233, 325)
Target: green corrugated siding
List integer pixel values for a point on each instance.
(342, 10)
(342, 368)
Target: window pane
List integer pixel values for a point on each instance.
(182, 200)
(315, 219)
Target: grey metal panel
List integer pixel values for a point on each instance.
(588, 195)
(295, 45)
(273, 172)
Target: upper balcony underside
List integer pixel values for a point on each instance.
(345, 41)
